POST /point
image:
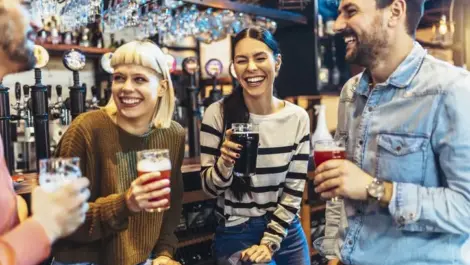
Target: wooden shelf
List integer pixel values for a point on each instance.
(197, 240)
(64, 47)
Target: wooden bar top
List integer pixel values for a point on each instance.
(24, 183)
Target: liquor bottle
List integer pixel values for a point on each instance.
(112, 42)
(85, 37)
(321, 131)
(335, 73)
(48, 34)
(97, 38)
(55, 36)
(68, 38)
(321, 27)
(324, 73)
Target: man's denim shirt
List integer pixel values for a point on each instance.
(412, 130)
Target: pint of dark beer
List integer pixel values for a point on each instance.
(155, 160)
(246, 135)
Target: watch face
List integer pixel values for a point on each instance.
(376, 189)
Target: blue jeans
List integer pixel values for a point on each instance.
(229, 240)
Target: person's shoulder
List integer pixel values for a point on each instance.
(349, 88)
(451, 79)
(298, 111)
(177, 128)
(214, 108)
(90, 119)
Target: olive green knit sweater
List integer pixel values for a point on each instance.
(112, 235)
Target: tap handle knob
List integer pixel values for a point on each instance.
(49, 92)
(17, 91)
(58, 90)
(94, 91)
(26, 90)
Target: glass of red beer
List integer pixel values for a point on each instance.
(324, 150)
(154, 160)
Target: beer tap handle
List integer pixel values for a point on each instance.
(58, 90)
(67, 103)
(85, 90)
(26, 91)
(17, 91)
(49, 92)
(94, 91)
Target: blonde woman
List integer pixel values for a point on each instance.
(117, 229)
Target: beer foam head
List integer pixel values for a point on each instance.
(148, 165)
(325, 147)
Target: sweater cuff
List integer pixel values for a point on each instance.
(223, 171)
(120, 208)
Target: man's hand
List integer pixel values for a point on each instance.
(164, 260)
(257, 254)
(342, 178)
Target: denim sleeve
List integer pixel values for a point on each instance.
(444, 209)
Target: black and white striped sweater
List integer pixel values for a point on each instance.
(281, 170)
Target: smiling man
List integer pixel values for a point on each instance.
(406, 183)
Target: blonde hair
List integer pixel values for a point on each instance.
(147, 54)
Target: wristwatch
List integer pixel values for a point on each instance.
(273, 247)
(376, 189)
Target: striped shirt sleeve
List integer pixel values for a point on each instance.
(215, 176)
(291, 197)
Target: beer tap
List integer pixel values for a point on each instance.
(40, 106)
(190, 68)
(213, 68)
(92, 104)
(27, 107)
(59, 110)
(5, 126)
(106, 66)
(74, 60)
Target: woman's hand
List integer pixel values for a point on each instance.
(229, 151)
(147, 187)
(257, 254)
(164, 260)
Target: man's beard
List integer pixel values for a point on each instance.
(368, 47)
(21, 55)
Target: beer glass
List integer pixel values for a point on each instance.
(246, 135)
(57, 172)
(155, 160)
(324, 150)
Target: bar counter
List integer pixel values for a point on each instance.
(25, 183)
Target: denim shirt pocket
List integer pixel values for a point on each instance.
(401, 157)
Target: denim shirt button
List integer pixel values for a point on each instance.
(401, 220)
(361, 142)
(350, 242)
(370, 109)
(398, 148)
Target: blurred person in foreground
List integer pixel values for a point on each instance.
(55, 214)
